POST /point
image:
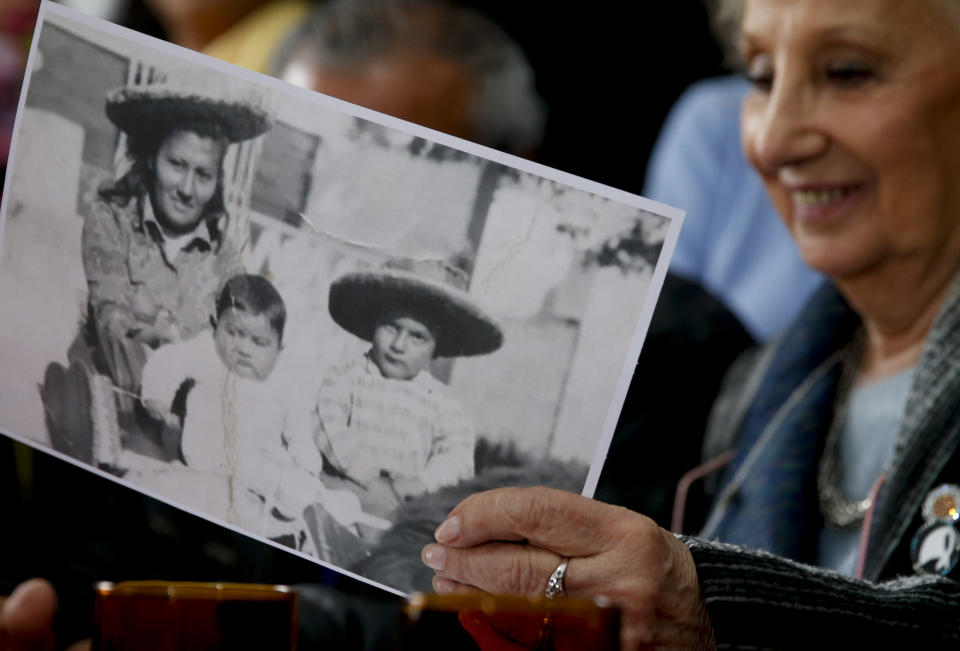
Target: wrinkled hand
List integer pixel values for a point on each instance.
(613, 552)
(26, 619)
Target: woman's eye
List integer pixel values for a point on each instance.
(849, 75)
(761, 82)
(760, 73)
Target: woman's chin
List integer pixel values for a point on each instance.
(836, 262)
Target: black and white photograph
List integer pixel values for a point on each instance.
(303, 320)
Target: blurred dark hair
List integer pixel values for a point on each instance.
(506, 110)
(254, 295)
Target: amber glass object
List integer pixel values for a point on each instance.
(484, 622)
(161, 616)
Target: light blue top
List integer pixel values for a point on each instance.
(874, 414)
(732, 240)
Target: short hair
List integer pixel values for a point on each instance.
(506, 110)
(254, 295)
(726, 17)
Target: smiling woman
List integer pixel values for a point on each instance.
(187, 173)
(845, 479)
(155, 248)
(853, 125)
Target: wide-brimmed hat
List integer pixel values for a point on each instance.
(430, 288)
(185, 97)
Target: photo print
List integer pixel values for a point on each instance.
(306, 321)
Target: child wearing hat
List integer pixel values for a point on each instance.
(386, 428)
(217, 394)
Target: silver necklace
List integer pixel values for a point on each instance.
(835, 507)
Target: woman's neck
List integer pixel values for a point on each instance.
(898, 309)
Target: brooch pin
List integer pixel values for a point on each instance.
(935, 548)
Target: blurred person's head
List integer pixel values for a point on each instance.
(425, 61)
(194, 23)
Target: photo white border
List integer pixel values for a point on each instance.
(675, 216)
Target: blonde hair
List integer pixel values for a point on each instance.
(726, 16)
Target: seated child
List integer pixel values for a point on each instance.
(215, 392)
(386, 428)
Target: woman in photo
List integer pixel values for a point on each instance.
(155, 248)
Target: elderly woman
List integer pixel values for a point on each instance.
(847, 426)
(155, 246)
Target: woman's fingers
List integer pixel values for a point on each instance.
(563, 522)
(26, 617)
(449, 586)
(613, 552)
(500, 568)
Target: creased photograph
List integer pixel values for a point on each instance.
(306, 321)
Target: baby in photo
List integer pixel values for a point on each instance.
(217, 392)
(387, 429)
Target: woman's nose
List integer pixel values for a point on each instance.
(186, 184)
(780, 129)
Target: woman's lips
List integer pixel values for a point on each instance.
(180, 205)
(824, 201)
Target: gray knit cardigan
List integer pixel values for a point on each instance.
(763, 600)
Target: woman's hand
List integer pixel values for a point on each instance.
(26, 619)
(163, 331)
(612, 552)
(117, 322)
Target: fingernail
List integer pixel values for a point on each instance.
(434, 556)
(448, 530)
(443, 586)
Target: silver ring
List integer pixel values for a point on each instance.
(555, 582)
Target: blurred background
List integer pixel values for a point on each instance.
(608, 73)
